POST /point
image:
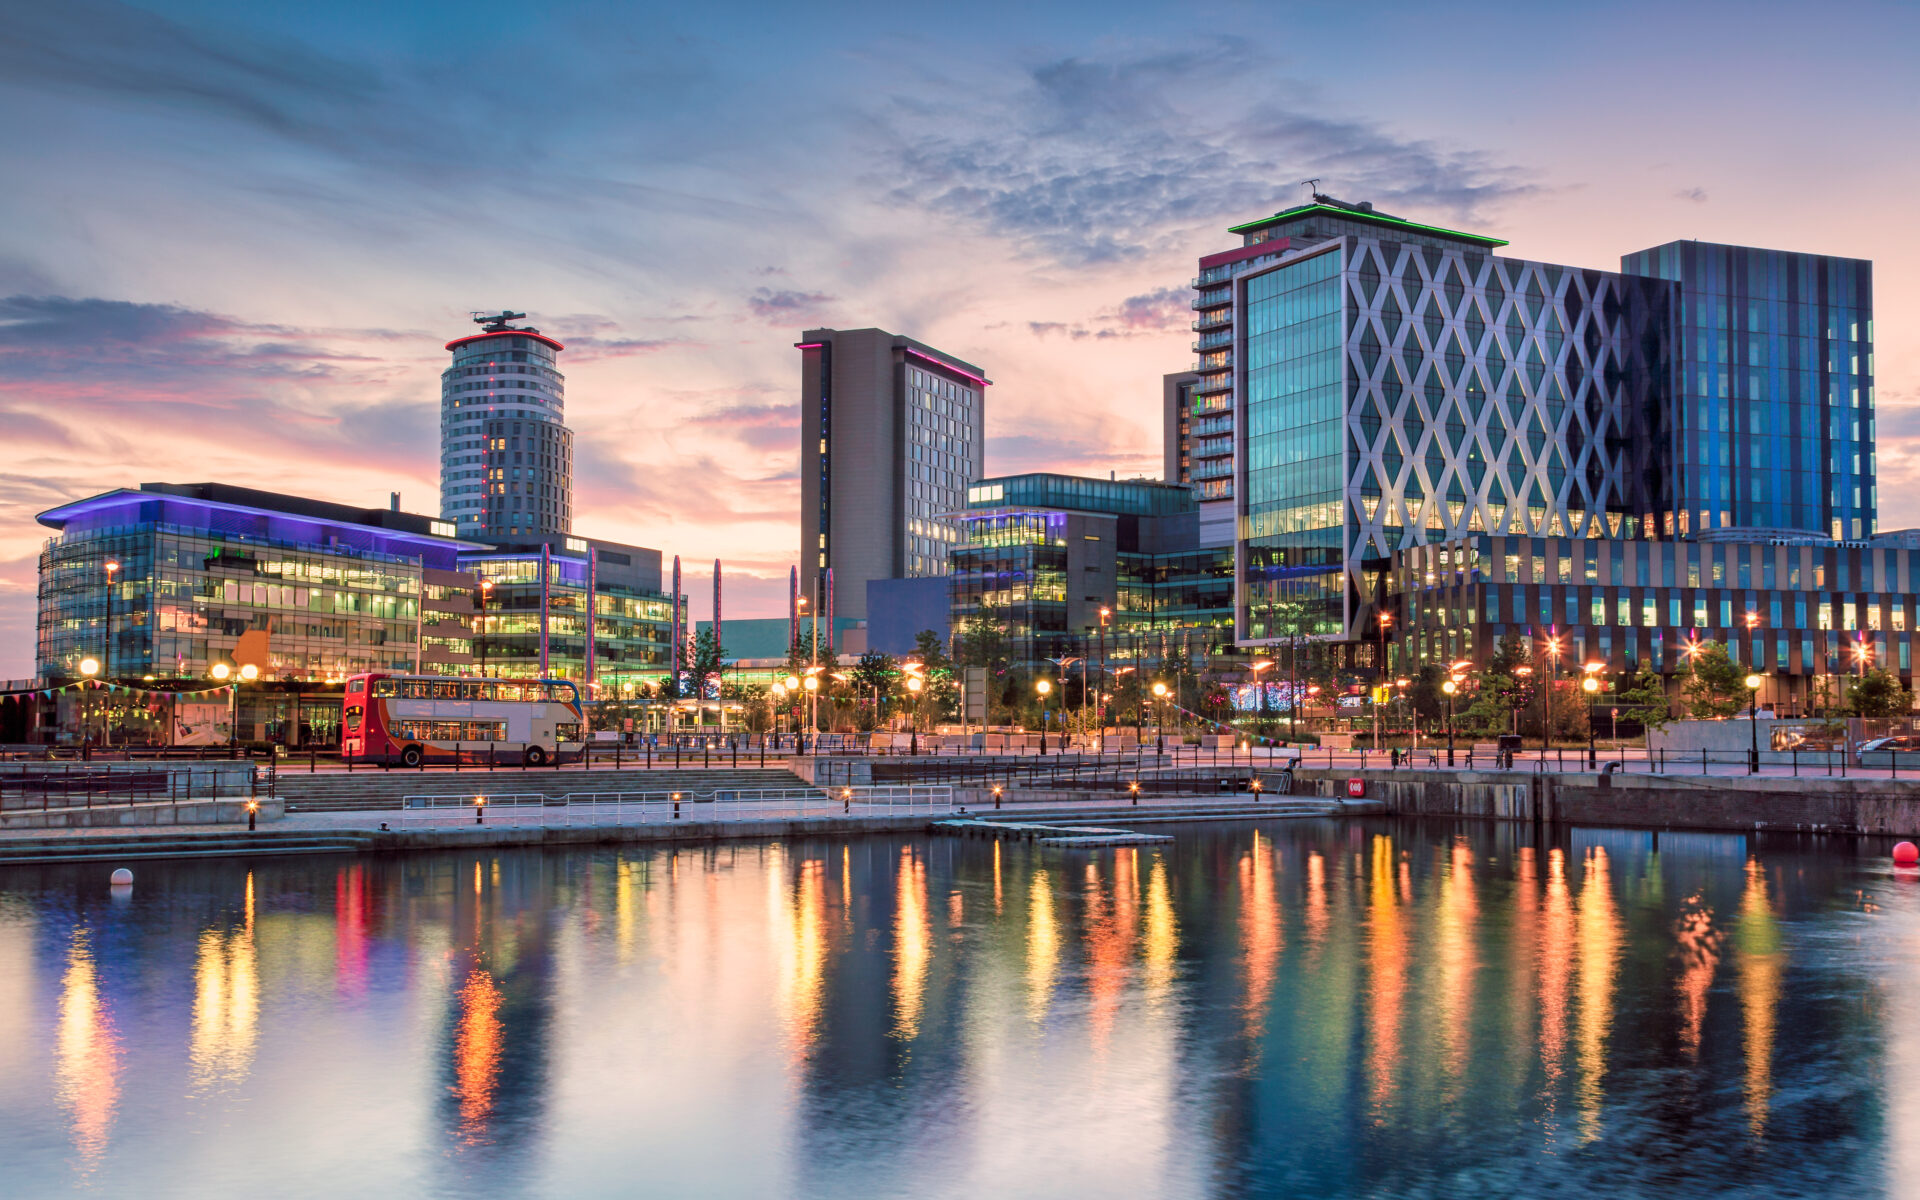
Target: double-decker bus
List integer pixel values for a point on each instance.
(415, 719)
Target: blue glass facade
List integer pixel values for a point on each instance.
(1771, 423)
(1294, 522)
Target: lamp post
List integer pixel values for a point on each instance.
(1043, 687)
(89, 667)
(913, 687)
(1753, 724)
(1265, 709)
(1160, 716)
(776, 695)
(1553, 672)
(480, 633)
(1380, 677)
(1591, 684)
(812, 684)
(1450, 685)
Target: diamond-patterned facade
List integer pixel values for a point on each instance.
(1478, 394)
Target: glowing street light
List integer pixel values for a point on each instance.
(1753, 724)
(1043, 686)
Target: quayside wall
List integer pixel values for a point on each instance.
(1642, 801)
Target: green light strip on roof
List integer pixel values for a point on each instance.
(1376, 218)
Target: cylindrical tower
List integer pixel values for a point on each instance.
(506, 455)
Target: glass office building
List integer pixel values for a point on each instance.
(1068, 563)
(1400, 387)
(324, 589)
(632, 615)
(1770, 424)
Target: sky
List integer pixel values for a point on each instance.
(234, 238)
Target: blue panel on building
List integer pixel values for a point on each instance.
(897, 609)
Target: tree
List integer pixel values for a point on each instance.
(1424, 694)
(1878, 693)
(707, 665)
(1716, 687)
(873, 677)
(931, 653)
(983, 643)
(1643, 697)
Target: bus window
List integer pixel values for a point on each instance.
(416, 689)
(446, 690)
(356, 685)
(385, 687)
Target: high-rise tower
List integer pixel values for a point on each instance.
(891, 433)
(506, 455)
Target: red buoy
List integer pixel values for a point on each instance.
(1906, 854)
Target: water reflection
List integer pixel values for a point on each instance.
(1305, 1008)
(88, 1049)
(226, 1003)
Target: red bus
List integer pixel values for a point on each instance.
(413, 719)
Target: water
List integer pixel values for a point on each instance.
(1324, 1008)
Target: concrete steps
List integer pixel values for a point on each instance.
(366, 791)
(225, 844)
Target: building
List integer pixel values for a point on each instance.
(1185, 429)
(892, 431)
(530, 628)
(506, 455)
(1408, 404)
(1766, 421)
(1066, 562)
(1802, 612)
(208, 574)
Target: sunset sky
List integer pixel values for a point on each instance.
(234, 237)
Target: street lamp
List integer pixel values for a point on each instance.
(1256, 668)
(480, 632)
(1386, 619)
(88, 667)
(1553, 671)
(812, 684)
(1043, 687)
(1160, 716)
(1591, 684)
(1450, 685)
(913, 686)
(1753, 724)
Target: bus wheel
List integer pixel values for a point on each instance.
(535, 756)
(411, 756)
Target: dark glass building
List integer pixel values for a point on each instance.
(1768, 418)
(1068, 562)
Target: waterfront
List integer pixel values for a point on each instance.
(1361, 1007)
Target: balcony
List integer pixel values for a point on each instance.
(1212, 320)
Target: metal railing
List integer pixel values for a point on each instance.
(594, 808)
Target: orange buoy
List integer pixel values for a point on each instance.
(1906, 854)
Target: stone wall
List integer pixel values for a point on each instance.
(1641, 801)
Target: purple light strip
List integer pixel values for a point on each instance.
(942, 363)
(808, 345)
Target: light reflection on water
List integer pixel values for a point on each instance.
(1365, 1008)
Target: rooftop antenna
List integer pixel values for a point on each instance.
(1312, 186)
(497, 322)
